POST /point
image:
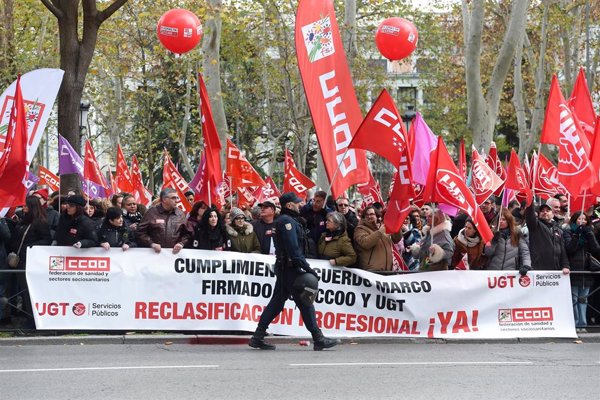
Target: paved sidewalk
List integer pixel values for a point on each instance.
(168, 339)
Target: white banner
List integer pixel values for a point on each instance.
(39, 88)
(92, 289)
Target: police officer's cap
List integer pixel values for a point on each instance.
(289, 197)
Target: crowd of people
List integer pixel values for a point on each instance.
(337, 230)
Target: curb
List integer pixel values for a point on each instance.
(80, 340)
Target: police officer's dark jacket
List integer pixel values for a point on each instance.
(290, 239)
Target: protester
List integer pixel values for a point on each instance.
(343, 206)
(264, 227)
(469, 241)
(241, 234)
(373, 245)
(161, 225)
(580, 243)
(5, 279)
(508, 249)
(52, 214)
(334, 243)
(198, 208)
(189, 195)
(437, 232)
(412, 235)
(488, 208)
(564, 206)
(555, 205)
(315, 214)
(75, 228)
(210, 232)
(113, 233)
(32, 230)
(546, 243)
(131, 216)
(117, 200)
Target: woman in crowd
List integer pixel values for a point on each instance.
(32, 230)
(373, 245)
(113, 232)
(74, 227)
(469, 241)
(412, 235)
(210, 233)
(241, 234)
(131, 215)
(437, 247)
(579, 243)
(196, 213)
(508, 250)
(334, 243)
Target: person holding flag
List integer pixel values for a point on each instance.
(508, 249)
(468, 241)
(436, 249)
(373, 244)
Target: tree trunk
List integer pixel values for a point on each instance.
(186, 122)
(349, 32)
(211, 69)
(75, 58)
(7, 45)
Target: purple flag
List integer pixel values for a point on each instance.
(69, 162)
(32, 179)
(425, 143)
(93, 190)
(198, 180)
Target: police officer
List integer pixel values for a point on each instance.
(290, 247)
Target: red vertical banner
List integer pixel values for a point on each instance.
(330, 93)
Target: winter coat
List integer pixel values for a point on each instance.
(264, 233)
(351, 223)
(374, 248)
(243, 239)
(5, 236)
(578, 242)
(435, 261)
(546, 243)
(71, 230)
(440, 235)
(472, 246)
(161, 226)
(210, 239)
(315, 223)
(502, 255)
(337, 246)
(116, 236)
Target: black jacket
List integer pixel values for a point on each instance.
(265, 233)
(546, 243)
(71, 230)
(115, 236)
(37, 235)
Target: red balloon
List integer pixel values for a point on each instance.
(179, 30)
(396, 38)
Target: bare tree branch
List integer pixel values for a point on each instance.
(110, 10)
(53, 9)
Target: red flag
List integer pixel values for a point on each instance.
(211, 136)
(560, 128)
(398, 261)
(240, 169)
(462, 160)
(444, 185)
(173, 179)
(545, 177)
(516, 178)
(463, 264)
(329, 92)
(225, 187)
(294, 180)
(48, 178)
(141, 194)
(484, 180)
(268, 192)
(14, 167)
(595, 157)
(371, 191)
(91, 171)
(123, 181)
(496, 165)
(245, 197)
(395, 214)
(581, 104)
(384, 123)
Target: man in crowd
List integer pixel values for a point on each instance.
(315, 214)
(488, 208)
(264, 225)
(546, 244)
(554, 205)
(161, 224)
(343, 206)
(564, 207)
(290, 244)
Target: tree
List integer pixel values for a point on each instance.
(482, 107)
(75, 57)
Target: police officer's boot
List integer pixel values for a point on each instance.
(257, 340)
(321, 342)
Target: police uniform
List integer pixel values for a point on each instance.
(290, 247)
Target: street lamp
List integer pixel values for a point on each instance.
(408, 116)
(84, 109)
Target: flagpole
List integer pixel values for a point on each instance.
(209, 194)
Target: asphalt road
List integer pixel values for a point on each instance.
(361, 371)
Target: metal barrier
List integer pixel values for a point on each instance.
(590, 279)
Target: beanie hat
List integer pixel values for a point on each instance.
(76, 199)
(113, 213)
(236, 212)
